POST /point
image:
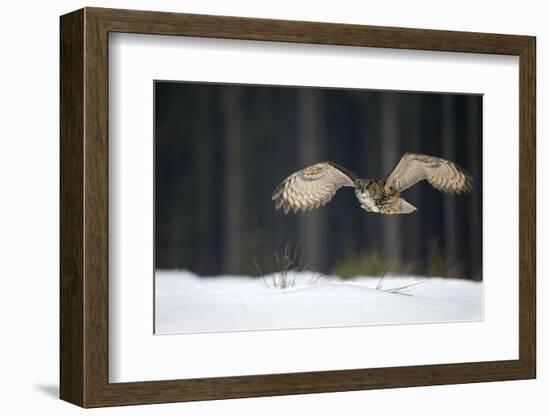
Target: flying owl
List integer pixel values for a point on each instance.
(315, 185)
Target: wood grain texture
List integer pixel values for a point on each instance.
(96, 221)
(71, 100)
(227, 27)
(84, 207)
(527, 208)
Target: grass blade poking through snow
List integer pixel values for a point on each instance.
(379, 284)
(286, 264)
(396, 290)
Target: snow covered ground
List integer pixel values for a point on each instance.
(187, 303)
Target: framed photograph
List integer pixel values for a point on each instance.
(255, 207)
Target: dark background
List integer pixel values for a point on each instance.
(220, 150)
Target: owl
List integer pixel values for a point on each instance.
(315, 185)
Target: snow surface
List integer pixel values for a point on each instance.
(187, 303)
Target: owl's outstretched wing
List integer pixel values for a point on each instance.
(442, 174)
(311, 187)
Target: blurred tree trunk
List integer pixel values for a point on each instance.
(370, 167)
(475, 156)
(232, 179)
(412, 136)
(448, 135)
(203, 162)
(390, 156)
(310, 140)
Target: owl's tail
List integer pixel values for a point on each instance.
(400, 206)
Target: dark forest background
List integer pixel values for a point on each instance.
(220, 150)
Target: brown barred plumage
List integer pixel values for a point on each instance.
(315, 185)
(310, 187)
(440, 173)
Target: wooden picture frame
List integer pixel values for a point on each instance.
(84, 207)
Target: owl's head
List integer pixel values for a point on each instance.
(366, 186)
